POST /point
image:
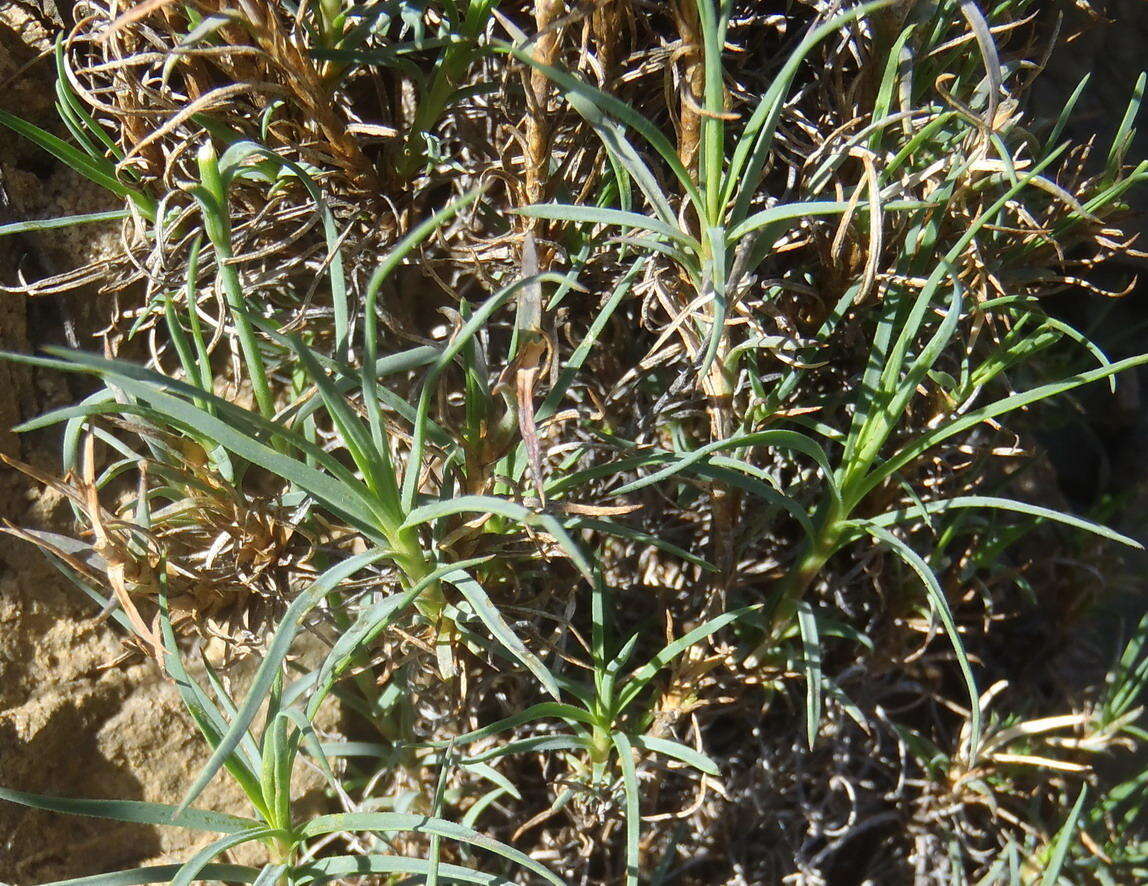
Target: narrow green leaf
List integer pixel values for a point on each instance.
(135, 811)
(884, 98)
(538, 744)
(458, 341)
(633, 808)
(915, 512)
(541, 711)
(911, 325)
(64, 221)
(604, 112)
(751, 153)
(373, 462)
(277, 650)
(1066, 113)
(96, 169)
(369, 624)
(488, 613)
(940, 606)
(1063, 842)
(488, 772)
(613, 217)
(786, 212)
(570, 370)
(1124, 133)
(927, 441)
(278, 754)
(191, 869)
(613, 527)
(714, 24)
(245, 763)
(392, 260)
(390, 822)
(341, 492)
(638, 680)
(483, 504)
(755, 481)
(811, 664)
(224, 873)
(339, 867)
(781, 439)
(677, 751)
(270, 875)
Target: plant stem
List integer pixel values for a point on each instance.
(217, 221)
(412, 562)
(811, 559)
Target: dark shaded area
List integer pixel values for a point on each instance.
(62, 760)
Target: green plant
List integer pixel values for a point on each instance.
(263, 763)
(723, 407)
(720, 241)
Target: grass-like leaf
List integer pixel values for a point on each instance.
(135, 812)
(1063, 843)
(940, 606)
(811, 664)
(638, 681)
(224, 873)
(677, 751)
(191, 869)
(64, 221)
(489, 615)
(277, 651)
(923, 509)
(96, 169)
(632, 800)
(338, 867)
(392, 822)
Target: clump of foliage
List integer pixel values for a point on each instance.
(631, 398)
